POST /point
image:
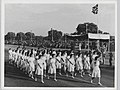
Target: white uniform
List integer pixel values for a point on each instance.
(31, 62)
(26, 63)
(52, 68)
(93, 58)
(13, 55)
(64, 62)
(16, 56)
(18, 60)
(22, 61)
(47, 59)
(10, 54)
(39, 70)
(71, 65)
(67, 62)
(34, 53)
(87, 63)
(79, 63)
(96, 69)
(58, 62)
(44, 61)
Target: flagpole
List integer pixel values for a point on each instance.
(31, 35)
(98, 41)
(97, 32)
(88, 37)
(95, 11)
(52, 34)
(65, 41)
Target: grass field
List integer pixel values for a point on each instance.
(16, 78)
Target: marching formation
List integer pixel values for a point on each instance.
(46, 62)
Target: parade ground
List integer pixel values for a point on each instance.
(13, 77)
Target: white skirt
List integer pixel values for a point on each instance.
(71, 68)
(32, 67)
(39, 71)
(52, 69)
(96, 72)
(58, 65)
(44, 66)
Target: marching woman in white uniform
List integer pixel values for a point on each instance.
(96, 70)
(23, 61)
(71, 64)
(67, 62)
(63, 61)
(16, 56)
(39, 70)
(10, 55)
(79, 65)
(26, 63)
(52, 67)
(87, 64)
(44, 58)
(13, 54)
(18, 59)
(32, 65)
(58, 63)
(94, 54)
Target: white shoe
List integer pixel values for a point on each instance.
(42, 81)
(72, 76)
(75, 74)
(32, 77)
(99, 84)
(81, 75)
(35, 79)
(91, 81)
(44, 75)
(48, 78)
(60, 74)
(89, 74)
(66, 75)
(55, 79)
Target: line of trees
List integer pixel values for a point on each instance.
(54, 36)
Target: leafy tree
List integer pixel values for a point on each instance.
(54, 35)
(20, 36)
(10, 36)
(86, 28)
(38, 39)
(30, 36)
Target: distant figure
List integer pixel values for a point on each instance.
(110, 59)
(104, 49)
(80, 46)
(96, 70)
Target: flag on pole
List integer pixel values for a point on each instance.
(95, 9)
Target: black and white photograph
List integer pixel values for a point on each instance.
(62, 45)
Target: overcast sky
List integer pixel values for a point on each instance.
(64, 17)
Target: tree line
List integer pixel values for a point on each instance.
(56, 36)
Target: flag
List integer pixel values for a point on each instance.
(95, 9)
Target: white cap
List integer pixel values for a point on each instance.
(37, 57)
(54, 52)
(72, 53)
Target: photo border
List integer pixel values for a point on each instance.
(54, 2)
